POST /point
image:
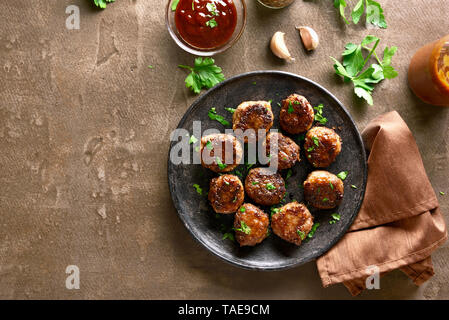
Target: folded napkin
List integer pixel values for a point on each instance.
(399, 223)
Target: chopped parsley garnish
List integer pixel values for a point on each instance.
(205, 74)
(289, 174)
(150, 67)
(228, 235)
(335, 218)
(244, 228)
(242, 209)
(274, 210)
(301, 234)
(212, 8)
(174, 4)
(220, 163)
(193, 140)
(211, 23)
(102, 3)
(442, 193)
(270, 186)
(214, 116)
(331, 185)
(316, 141)
(310, 149)
(313, 230)
(342, 175)
(290, 108)
(353, 186)
(325, 199)
(198, 189)
(319, 114)
(231, 110)
(209, 145)
(255, 183)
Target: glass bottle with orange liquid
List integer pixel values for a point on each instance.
(428, 74)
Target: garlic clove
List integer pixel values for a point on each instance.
(279, 47)
(309, 37)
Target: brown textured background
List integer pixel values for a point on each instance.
(84, 130)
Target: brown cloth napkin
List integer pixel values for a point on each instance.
(399, 223)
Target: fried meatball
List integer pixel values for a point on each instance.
(288, 151)
(220, 152)
(250, 225)
(264, 186)
(323, 190)
(322, 145)
(254, 115)
(226, 193)
(296, 115)
(292, 222)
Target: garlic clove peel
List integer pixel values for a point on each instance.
(279, 48)
(309, 37)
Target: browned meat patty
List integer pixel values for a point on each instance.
(292, 222)
(322, 145)
(250, 225)
(253, 115)
(265, 187)
(296, 115)
(226, 193)
(323, 190)
(288, 151)
(220, 152)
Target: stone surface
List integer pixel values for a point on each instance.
(84, 134)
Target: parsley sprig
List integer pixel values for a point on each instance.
(354, 62)
(244, 228)
(102, 3)
(372, 9)
(205, 74)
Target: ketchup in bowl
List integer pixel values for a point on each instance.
(206, 24)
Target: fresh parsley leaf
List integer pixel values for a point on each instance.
(319, 114)
(313, 230)
(290, 108)
(198, 189)
(331, 185)
(242, 209)
(174, 5)
(372, 9)
(212, 23)
(228, 235)
(301, 234)
(102, 3)
(220, 164)
(214, 116)
(335, 217)
(354, 62)
(442, 193)
(316, 141)
(270, 186)
(204, 74)
(230, 110)
(343, 175)
(274, 210)
(375, 14)
(209, 145)
(244, 228)
(212, 8)
(193, 140)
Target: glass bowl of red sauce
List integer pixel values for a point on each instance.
(205, 27)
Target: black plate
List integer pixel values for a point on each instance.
(273, 253)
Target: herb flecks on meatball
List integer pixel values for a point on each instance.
(292, 222)
(255, 115)
(287, 150)
(296, 114)
(226, 193)
(220, 152)
(250, 225)
(264, 186)
(322, 146)
(323, 190)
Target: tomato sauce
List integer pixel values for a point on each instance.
(206, 24)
